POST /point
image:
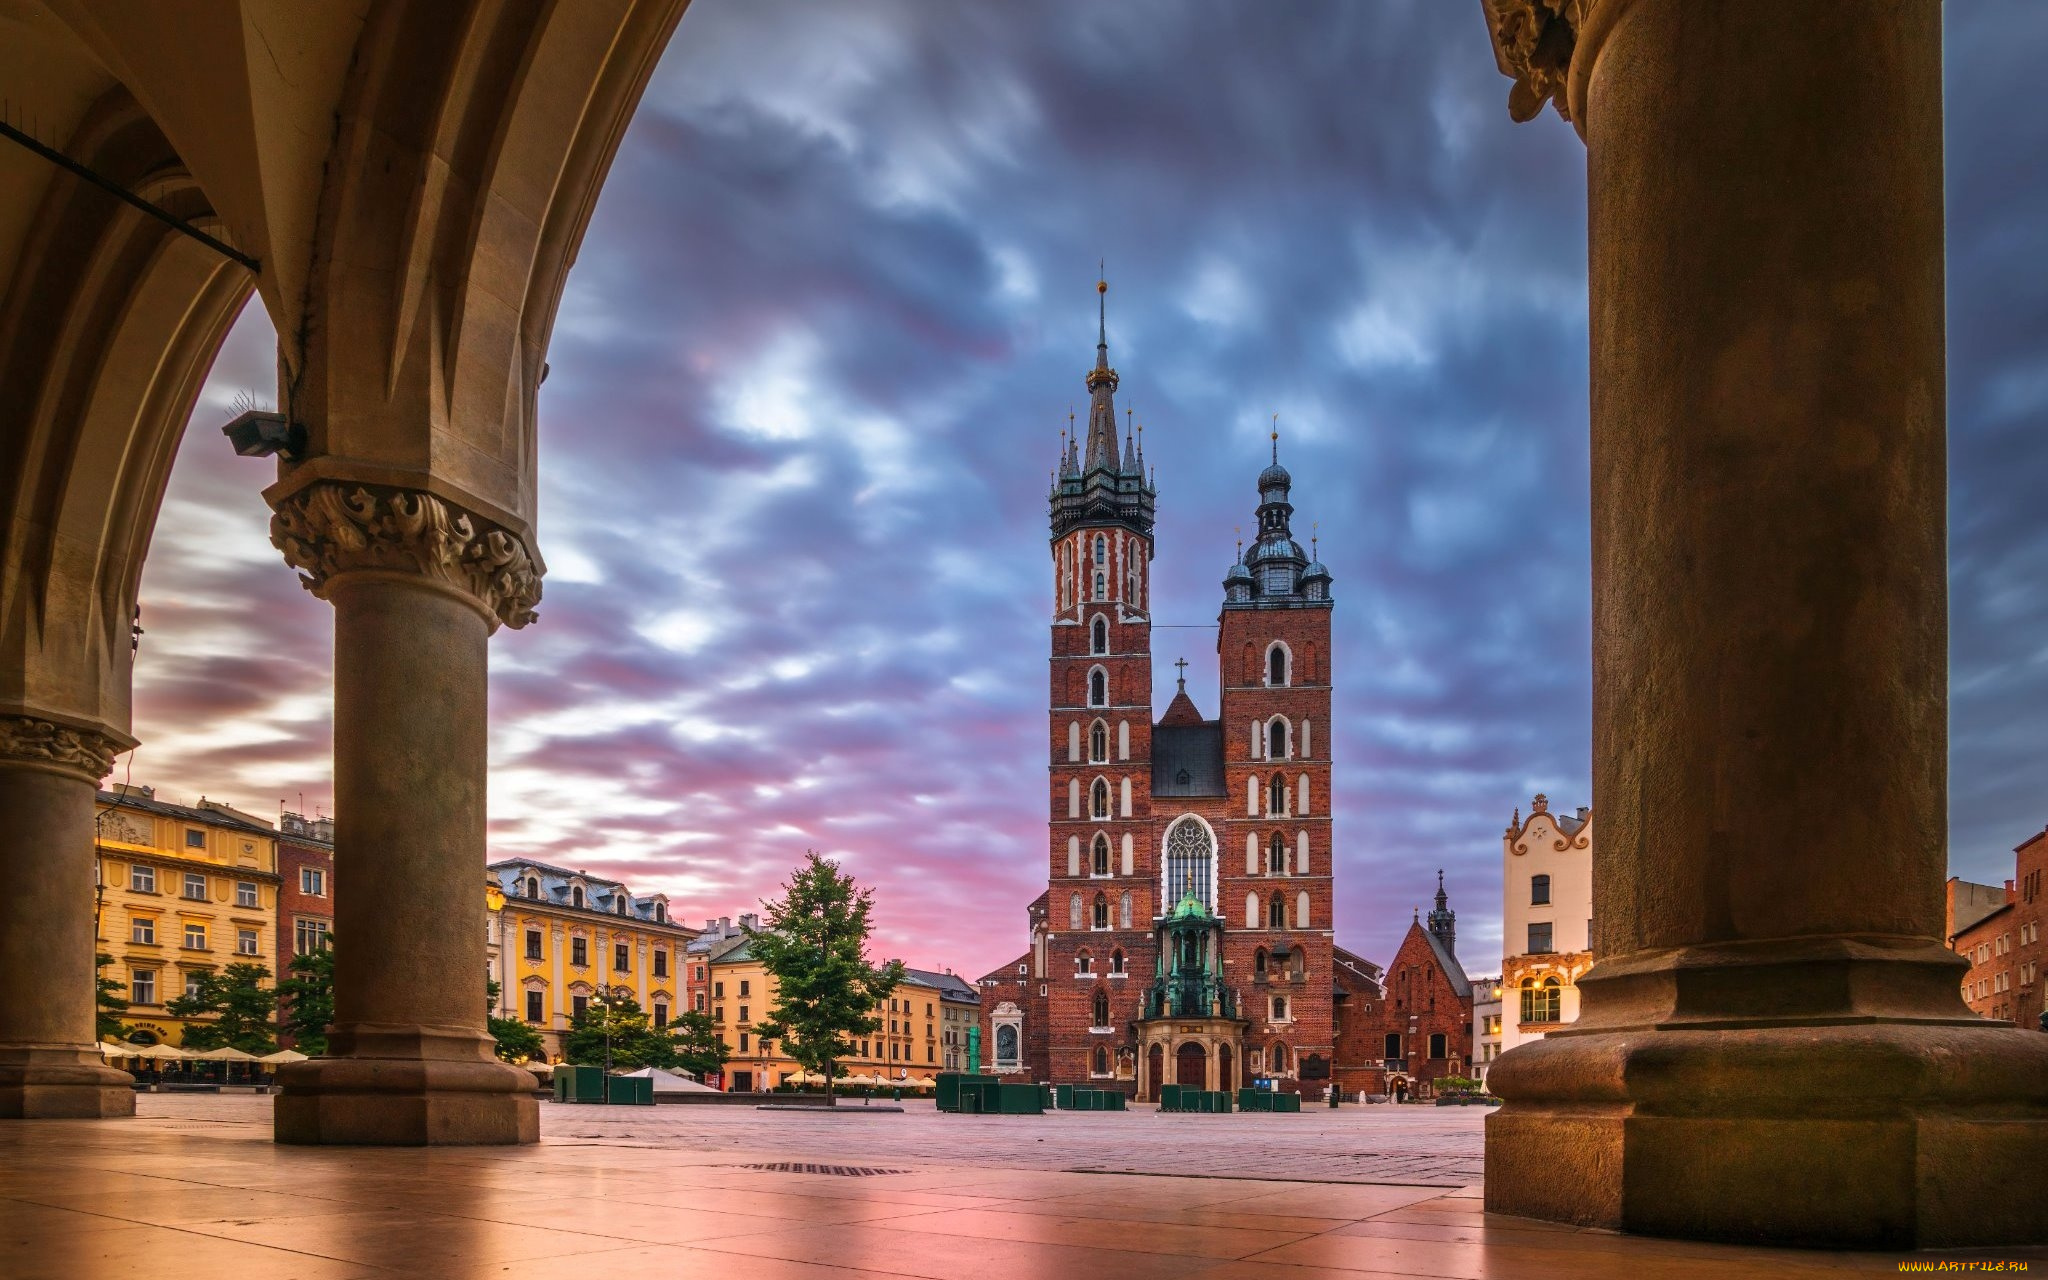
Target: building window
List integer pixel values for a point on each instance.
(1393, 1046)
(1279, 1008)
(1098, 743)
(195, 886)
(746, 986)
(312, 880)
(1098, 800)
(533, 886)
(245, 894)
(1276, 796)
(700, 1002)
(195, 839)
(1099, 857)
(1276, 664)
(746, 1016)
(1099, 1009)
(142, 986)
(579, 951)
(1098, 636)
(142, 879)
(661, 1013)
(1101, 549)
(576, 897)
(1101, 593)
(661, 964)
(1540, 1001)
(718, 989)
(1098, 688)
(578, 1005)
(142, 929)
(533, 944)
(1276, 911)
(1539, 938)
(1116, 961)
(195, 937)
(1276, 855)
(1190, 856)
(1084, 962)
(622, 958)
(245, 941)
(1101, 1060)
(1101, 911)
(534, 1011)
(1539, 891)
(309, 936)
(1276, 739)
(1259, 963)
(1437, 1048)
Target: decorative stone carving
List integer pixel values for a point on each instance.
(328, 530)
(47, 745)
(1533, 41)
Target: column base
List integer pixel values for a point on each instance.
(1871, 1135)
(56, 1082)
(405, 1100)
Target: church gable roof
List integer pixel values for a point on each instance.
(1447, 962)
(1187, 759)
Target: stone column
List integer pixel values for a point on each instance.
(50, 1065)
(417, 586)
(1771, 1044)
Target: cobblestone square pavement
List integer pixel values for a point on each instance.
(194, 1187)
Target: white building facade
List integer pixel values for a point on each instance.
(1546, 919)
(1486, 1025)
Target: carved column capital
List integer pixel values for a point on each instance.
(330, 530)
(28, 742)
(1533, 41)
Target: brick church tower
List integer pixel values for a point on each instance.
(1213, 830)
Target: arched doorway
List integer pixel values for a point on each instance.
(1155, 1065)
(1224, 1077)
(1191, 1066)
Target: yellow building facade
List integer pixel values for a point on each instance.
(183, 891)
(923, 1021)
(557, 938)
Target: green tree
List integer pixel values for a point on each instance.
(814, 945)
(306, 999)
(239, 1004)
(110, 1003)
(616, 1017)
(699, 1049)
(517, 1042)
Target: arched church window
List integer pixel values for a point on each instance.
(1297, 964)
(1098, 859)
(1251, 911)
(1276, 739)
(1102, 911)
(1276, 796)
(1116, 959)
(1101, 585)
(1101, 549)
(1301, 920)
(1099, 1010)
(1084, 962)
(1098, 636)
(1101, 1059)
(1259, 962)
(1276, 855)
(533, 886)
(1276, 1058)
(1098, 799)
(1276, 912)
(1074, 912)
(1098, 743)
(619, 904)
(1276, 664)
(1098, 688)
(576, 897)
(1190, 857)
(1123, 911)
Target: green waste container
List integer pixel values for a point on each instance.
(1063, 1097)
(629, 1091)
(1169, 1097)
(579, 1084)
(948, 1094)
(1287, 1102)
(1020, 1100)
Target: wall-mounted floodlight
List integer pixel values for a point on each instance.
(258, 433)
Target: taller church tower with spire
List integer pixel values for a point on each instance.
(1185, 935)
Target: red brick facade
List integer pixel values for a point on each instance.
(1141, 812)
(2005, 950)
(305, 896)
(1413, 1029)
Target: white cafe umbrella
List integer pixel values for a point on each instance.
(226, 1053)
(283, 1055)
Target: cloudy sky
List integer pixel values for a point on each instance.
(832, 312)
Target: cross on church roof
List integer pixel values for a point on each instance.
(1183, 665)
